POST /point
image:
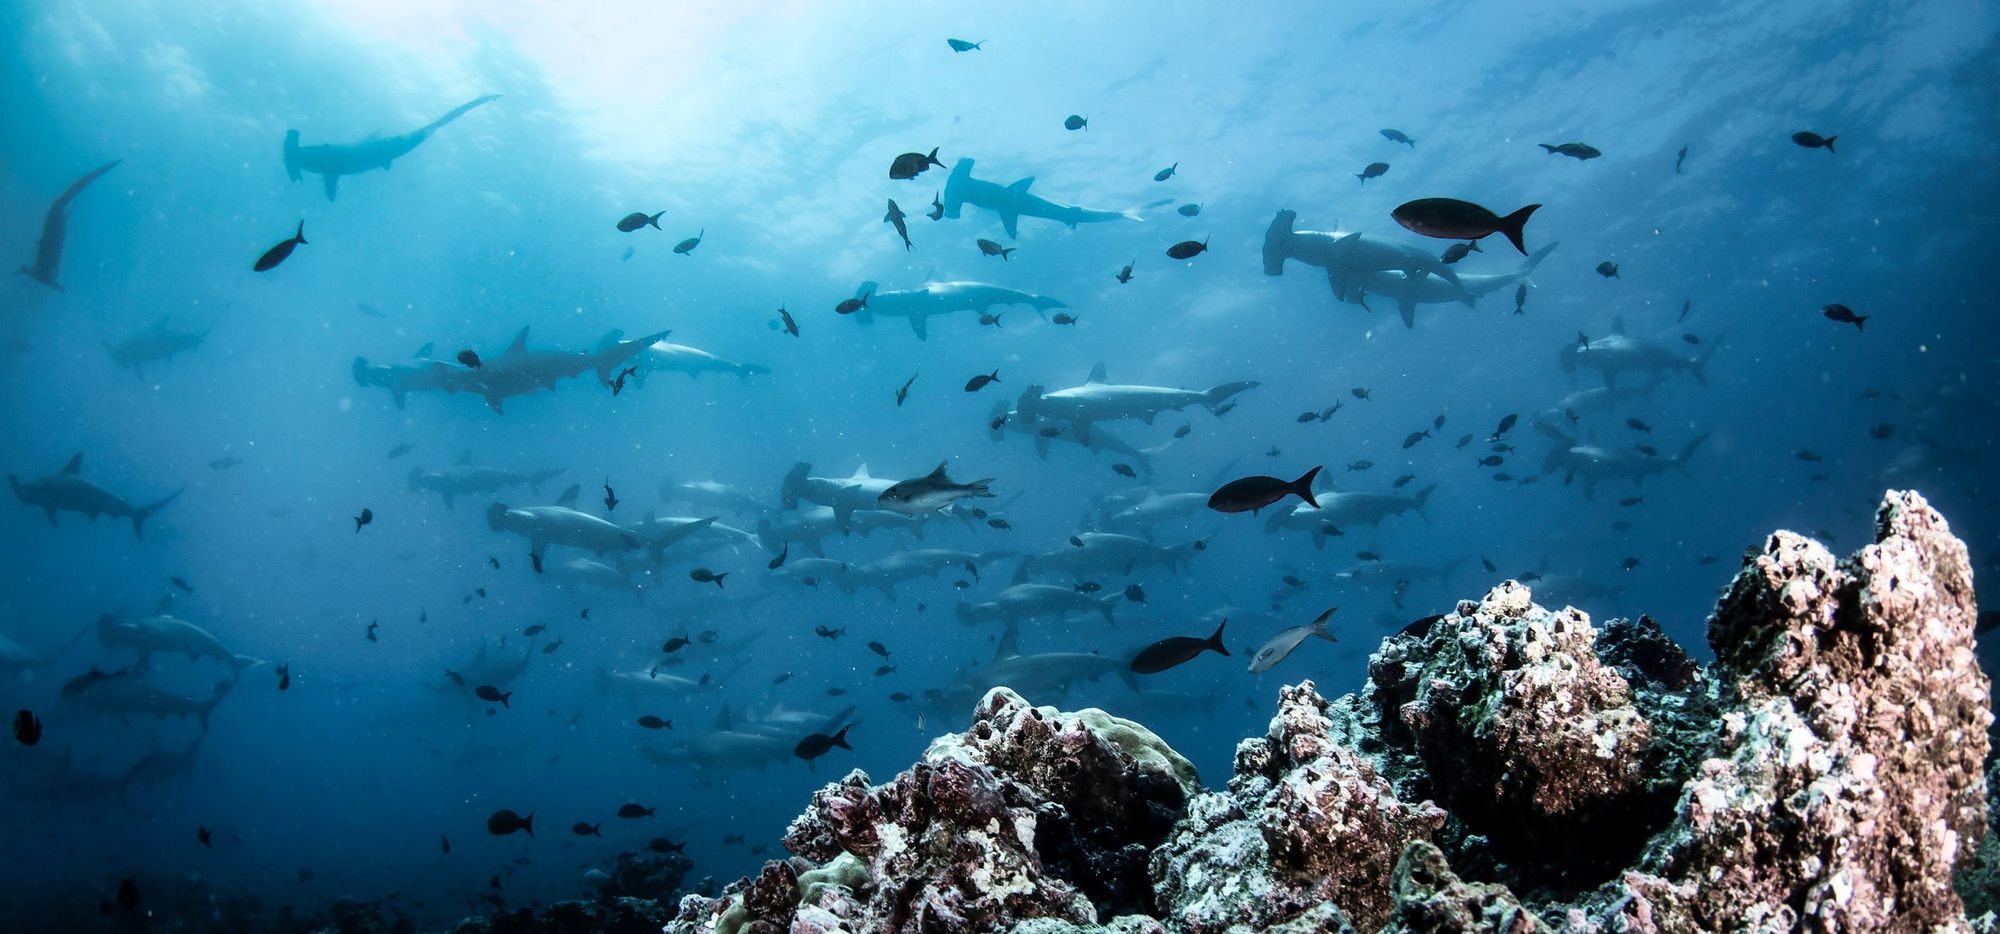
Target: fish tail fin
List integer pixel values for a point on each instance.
(654, 221)
(840, 738)
(1303, 486)
(1512, 225)
(1214, 643)
(1829, 143)
(1861, 322)
(140, 515)
(1319, 625)
(528, 823)
(301, 235)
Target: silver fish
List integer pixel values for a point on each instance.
(1282, 644)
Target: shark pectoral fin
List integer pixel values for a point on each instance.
(399, 395)
(1408, 307)
(50, 511)
(1011, 220)
(921, 325)
(1041, 450)
(494, 402)
(1082, 427)
(332, 183)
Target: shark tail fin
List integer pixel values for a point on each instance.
(1700, 368)
(222, 689)
(140, 515)
(1223, 393)
(1422, 497)
(1106, 603)
(1681, 459)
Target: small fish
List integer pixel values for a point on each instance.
(285, 676)
(1125, 274)
(1369, 555)
(1882, 431)
(901, 697)
(664, 845)
(881, 670)
(1638, 425)
(469, 359)
(779, 561)
(551, 648)
(202, 834)
(504, 822)
(455, 677)
(652, 722)
(912, 164)
(1578, 151)
(444, 843)
(823, 632)
(1182, 431)
(1001, 524)
(27, 728)
(535, 558)
(1414, 437)
(1188, 210)
(372, 625)
(1491, 460)
(960, 45)
(1250, 494)
(631, 811)
(1807, 456)
(1463, 440)
(610, 497)
(1630, 501)
(706, 576)
(791, 326)
(638, 219)
(277, 254)
(1521, 298)
(1360, 392)
(851, 305)
(1176, 650)
(781, 679)
(1224, 409)
(687, 246)
(1123, 470)
(1360, 465)
(618, 385)
(1373, 170)
(1075, 542)
(1187, 249)
(1608, 269)
(895, 216)
(981, 381)
(989, 319)
(183, 585)
(367, 516)
(1680, 158)
(1806, 138)
(878, 648)
(488, 692)
(1690, 339)
(401, 449)
(819, 744)
(1166, 173)
(1630, 563)
(1135, 593)
(904, 392)
(1487, 563)
(1402, 481)
(1844, 315)
(675, 644)
(1273, 451)
(1074, 122)
(1396, 136)
(582, 829)
(1648, 450)
(1506, 425)
(990, 248)
(1459, 251)
(1064, 317)
(1452, 219)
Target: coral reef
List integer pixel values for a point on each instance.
(1507, 769)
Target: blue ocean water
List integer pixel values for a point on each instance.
(767, 133)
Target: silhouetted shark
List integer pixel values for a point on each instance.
(332, 160)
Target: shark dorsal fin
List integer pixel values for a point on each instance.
(723, 720)
(860, 473)
(1096, 374)
(1010, 643)
(424, 352)
(75, 465)
(938, 474)
(568, 497)
(465, 458)
(1021, 187)
(520, 341)
(1618, 325)
(165, 606)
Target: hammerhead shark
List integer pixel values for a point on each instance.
(1013, 202)
(331, 160)
(55, 226)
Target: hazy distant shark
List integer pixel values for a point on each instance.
(713, 493)
(1337, 511)
(1598, 463)
(55, 227)
(463, 479)
(162, 633)
(1023, 602)
(157, 342)
(543, 526)
(844, 495)
(518, 370)
(1099, 401)
(332, 160)
(125, 693)
(1409, 292)
(1038, 675)
(1617, 355)
(1013, 202)
(1004, 419)
(665, 357)
(1354, 265)
(809, 528)
(1156, 508)
(421, 374)
(67, 491)
(922, 303)
(1107, 552)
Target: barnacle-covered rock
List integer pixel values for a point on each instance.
(1431, 899)
(1305, 838)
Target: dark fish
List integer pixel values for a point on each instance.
(27, 728)
(1396, 136)
(1648, 450)
(1182, 431)
(1074, 122)
(1685, 305)
(823, 632)
(1187, 249)
(1882, 431)
(652, 722)
(904, 393)
(1459, 251)
(664, 845)
(1360, 392)
(819, 744)
(989, 319)
(912, 164)
(936, 212)
(1506, 425)
(1682, 157)
(782, 678)
(1521, 298)
(1452, 219)
(1491, 460)
(1487, 563)
(1124, 275)
(638, 219)
(1360, 465)
(1292, 580)
(989, 248)
(285, 676)
(401, 449)
(884, 670)
(895, 216)
(488, 692)
(1305, 417)
(1374, 170)
(1608, 269)
(675, 644)
(1844, 315)
(618, 385)
(791, 327)
(1579, 151)
(878, 648)
(687, 246)
(1463, 440)
(504, 822)
(1690, 339)
(851, 305)
(1123, 470)
(202, 834)
(1414, 437)
(372, 626)
(1630, 501)
(1166, 173)
(367, 516)
(551, 648)
(277, 254)
(455, 677)
(610, 497)
(1188, 210)
(635, 811)
(1176, 650)
(1402, 481)
(842, 692)
(535, 558)
(706, 576)
(1063, 317)
(183, 585)
(469, 359)
(1630, 563)
(981, 381)
(779, 561)
(1135, 593)
(1638, 425)
(582, 829)
(960, 45)
(901, 697)
(1369, 555)
(444, 843)
(1001, 524)
(1806, 138)
(1250, 494)
(1807, 456)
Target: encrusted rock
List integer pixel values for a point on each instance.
(1307, 834)
(1431, 899)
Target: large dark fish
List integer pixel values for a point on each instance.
(55, 227)
(638, 219)
(1374, 170)
(1187, 249)
(1579, 151)
(895, 216)
(819, 744)
(1250, 494)
(275, 255)
(1452, 219)
(960, 45)
(1176, 650)
(1811, 140)
(912, 164)
(504, 822)
(1397, 136)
